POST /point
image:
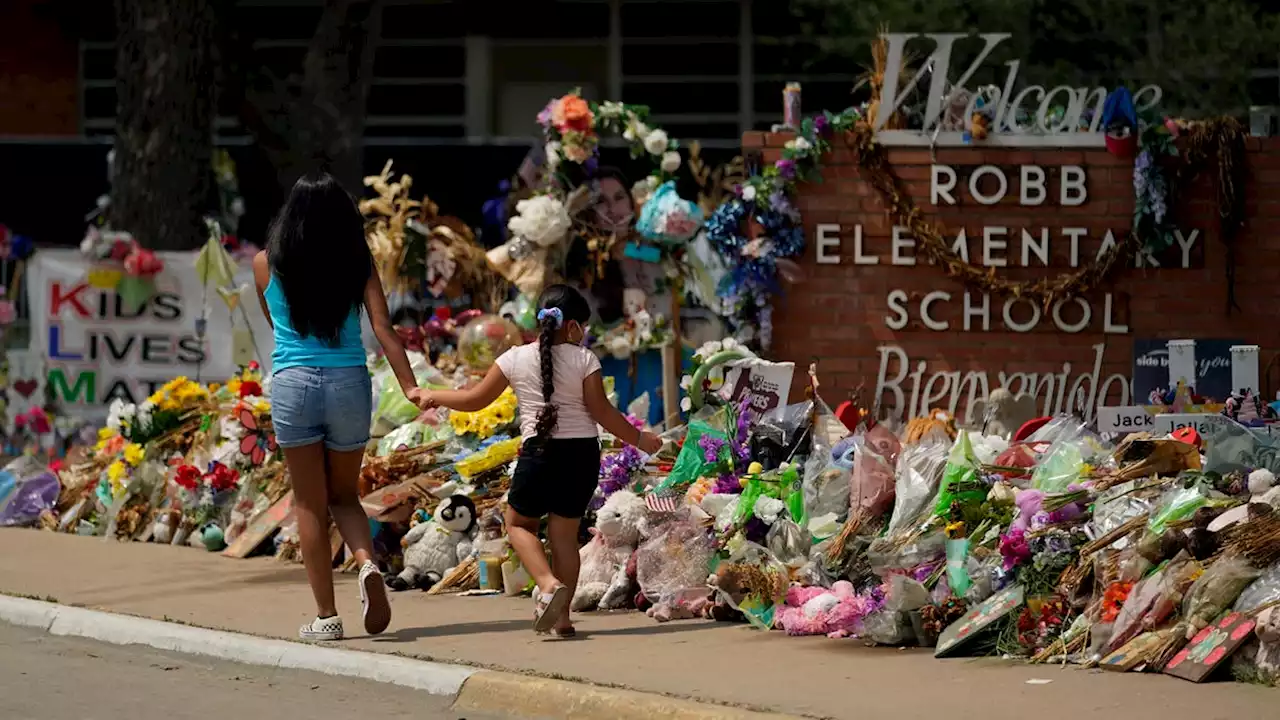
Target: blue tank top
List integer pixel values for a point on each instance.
(293, 350)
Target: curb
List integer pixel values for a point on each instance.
(473, 689)
(431, 677)
(497, 692)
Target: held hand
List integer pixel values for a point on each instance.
(421, 397)
(649, 442)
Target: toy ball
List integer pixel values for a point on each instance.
(484, 339)
(213, 538)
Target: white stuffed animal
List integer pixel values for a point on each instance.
(433, 548)
(603, 582)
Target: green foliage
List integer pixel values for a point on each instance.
(1201, 54)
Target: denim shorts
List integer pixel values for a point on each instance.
(329, 405)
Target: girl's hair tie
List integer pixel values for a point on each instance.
(557, 317)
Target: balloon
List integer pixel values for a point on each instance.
(484, 339)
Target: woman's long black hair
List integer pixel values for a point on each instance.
(319, 255)
(573, 307)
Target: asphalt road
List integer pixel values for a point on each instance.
(43, 677)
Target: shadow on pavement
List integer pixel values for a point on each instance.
(472, 628)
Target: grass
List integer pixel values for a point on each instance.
(25, 596)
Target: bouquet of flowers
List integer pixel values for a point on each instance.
(160, 413)
(118, 477)
(484, 423)
(204, 496)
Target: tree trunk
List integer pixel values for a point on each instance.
(318, 121)
(161, 177)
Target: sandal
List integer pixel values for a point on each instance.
(550, 606)
(564, 634)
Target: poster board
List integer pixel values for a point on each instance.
(1211, 647)
(261, 527)
(96, 348)
(978, 619)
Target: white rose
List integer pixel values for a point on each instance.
(670, 161)
(553, 155)
(686, 404)
(656, 142)
(619, 347)
(686, 382)
(541, 220)
(749, 193)
(635, 130)
(799, 144)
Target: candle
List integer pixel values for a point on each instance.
(791, 105)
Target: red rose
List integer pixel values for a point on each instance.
(250, 387)
(187, 477)
(220, 477)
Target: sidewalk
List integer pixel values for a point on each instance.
(698, 660)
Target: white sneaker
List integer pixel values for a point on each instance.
(322, 629)
(373, 599)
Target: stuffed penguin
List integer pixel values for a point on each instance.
(434, 547)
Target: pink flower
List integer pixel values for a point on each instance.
(7, 312)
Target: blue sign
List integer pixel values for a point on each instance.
(1213, 368)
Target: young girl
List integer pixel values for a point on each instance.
(314, 280)
(562, 400)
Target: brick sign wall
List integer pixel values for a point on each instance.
(872, 317)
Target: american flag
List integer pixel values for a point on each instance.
(662, 503)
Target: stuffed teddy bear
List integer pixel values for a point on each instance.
(603, 582)
(434, 547)
(837, 612)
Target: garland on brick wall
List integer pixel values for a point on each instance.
(1220, 141)
(769, 194)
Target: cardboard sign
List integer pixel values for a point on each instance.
(1125, 419)
(1133, 653)
(394, 503)
(978, 619)
(1211, 647)
(1203, 423)
(261, 527)
(766, 383)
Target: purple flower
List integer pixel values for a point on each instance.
(617, 470)
(756, 530)
(727, 484)
(820, 125)
(711, 446)
(1014, 549)
(786, 168)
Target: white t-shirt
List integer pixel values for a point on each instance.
(571, 365)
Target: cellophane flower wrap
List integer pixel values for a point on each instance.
(668, 218)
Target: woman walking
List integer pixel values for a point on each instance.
(314, 281)
(562, 401)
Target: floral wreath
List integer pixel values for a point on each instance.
(772, 236)
(571, 127)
